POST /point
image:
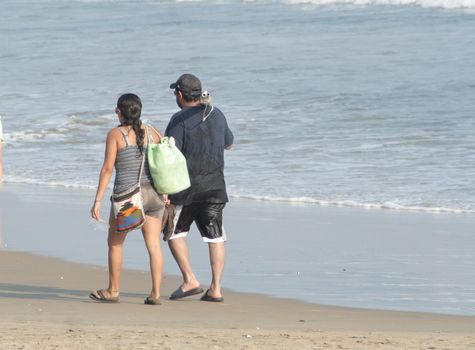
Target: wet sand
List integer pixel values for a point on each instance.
(45, 305)
(44, 300)
(377, 259)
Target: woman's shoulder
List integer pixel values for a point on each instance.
(114, 134)
(114, 131)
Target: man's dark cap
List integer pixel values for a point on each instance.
(188, 84)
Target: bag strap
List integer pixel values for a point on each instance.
(143, 157)
(149, 136)
(141, 167)
(156, 131)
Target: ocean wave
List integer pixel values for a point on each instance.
(289, 200)
(32, 135)
(445, 4)
(29, 181)
(354, 204)
(59, 132)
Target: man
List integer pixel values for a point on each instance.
(202, 134)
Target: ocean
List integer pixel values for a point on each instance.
(346, 103)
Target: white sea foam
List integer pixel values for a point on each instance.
(288, 200)
(32, 135)
(446, 4)
(354, 204)
(64, 184)
(104, 119)
(57, 132)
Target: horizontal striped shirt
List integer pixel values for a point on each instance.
(127, 166)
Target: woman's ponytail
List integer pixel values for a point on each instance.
(139, 134)
(130, 107)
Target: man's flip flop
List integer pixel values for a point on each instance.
(207, 297)
(179, 293)
(98, 295)
(151, 301)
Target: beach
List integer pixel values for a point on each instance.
(352, 205)
(369, 258)
(45, 305)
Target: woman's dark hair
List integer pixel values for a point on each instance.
(130, 107)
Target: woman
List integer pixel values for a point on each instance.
(125, 149)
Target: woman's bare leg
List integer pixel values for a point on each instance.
(115, 242)
(151, 234)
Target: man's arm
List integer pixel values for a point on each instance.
(228, 137)
(176, 129)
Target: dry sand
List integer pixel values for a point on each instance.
(44, 305)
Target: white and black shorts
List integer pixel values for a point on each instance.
(207, 216)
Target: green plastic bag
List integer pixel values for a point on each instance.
(167, 167)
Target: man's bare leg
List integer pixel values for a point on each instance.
(179, 249)
(217, 256)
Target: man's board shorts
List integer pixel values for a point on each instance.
(207, 216)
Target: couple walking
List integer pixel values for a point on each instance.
(202, 134)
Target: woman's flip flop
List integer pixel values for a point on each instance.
(98, 295)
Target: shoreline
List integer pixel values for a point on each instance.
(45, 278)
(45, 304)
(381, 267)
(42, 260)
(44, 288)
(297, 202)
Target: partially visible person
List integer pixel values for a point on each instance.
(1, 179)
(202, 134)
(1, 151)
(125, 149)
